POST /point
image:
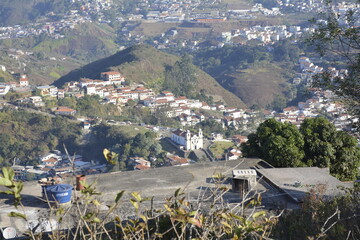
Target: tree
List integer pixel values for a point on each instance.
(336, 35)
(281, 144)
(180, 78)
(324, 146)
(318, 143)
(319, 135)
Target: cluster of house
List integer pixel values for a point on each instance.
(174, 11)
(52, 29)
(57, 164)
(68, 20)
(342, 9)
(309, 69)
(323, 101)
(20, 85)
(268, 12)
(301, 5)
(317, 6)
(265, 34)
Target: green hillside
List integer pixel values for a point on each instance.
(24, 11)
(86, 42)
(6, 77)
(145, 64)
(54, 58)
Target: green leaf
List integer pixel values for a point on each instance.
(177, 192)
(226, 224)
(119, 196)
(195, 222)
(5, 182)
(96, 220)
(259, 214)
(134, 203)
(193, 213)
(110, 156)
(7, 192)
(143, 217)
(17, 214)
(96, 202)
(5, 172)
(168, 208)
(8, 173)
(136, 195)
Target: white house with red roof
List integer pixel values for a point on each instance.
(65, 111)
(168, 95)
(175, 160)
(112, 76)
(23, 81)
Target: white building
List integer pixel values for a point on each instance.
(24, 82)
(113, 77)
(187, 139)
(4, 89)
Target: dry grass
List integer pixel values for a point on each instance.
(237, 4)
(219, 148)
(257, 85)
(154, 28)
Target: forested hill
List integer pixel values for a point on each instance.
(147, 65)
(24, 11)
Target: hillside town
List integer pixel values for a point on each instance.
(252, 128)
(111, 89)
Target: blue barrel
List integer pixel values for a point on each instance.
(46, 192)
(60, 193)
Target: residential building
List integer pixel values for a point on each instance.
(23, 81)
(113, 77)
(65, 111)
(174, 160)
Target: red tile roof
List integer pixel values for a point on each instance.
(141, 167)
(110, 73)
(64, 109)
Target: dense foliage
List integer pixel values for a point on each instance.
(27, 136)
(322, 218)
(180, 78)
(281, 144)
(210, 126)
(92, 107)
(317, 143)
(123, 143)
(326, 147)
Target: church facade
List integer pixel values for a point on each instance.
(188, 140)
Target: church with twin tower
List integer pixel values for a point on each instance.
(188, 140)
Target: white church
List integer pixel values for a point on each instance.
(188, 140)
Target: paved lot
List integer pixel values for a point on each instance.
(160, 183)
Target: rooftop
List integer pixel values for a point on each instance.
(296, 182)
